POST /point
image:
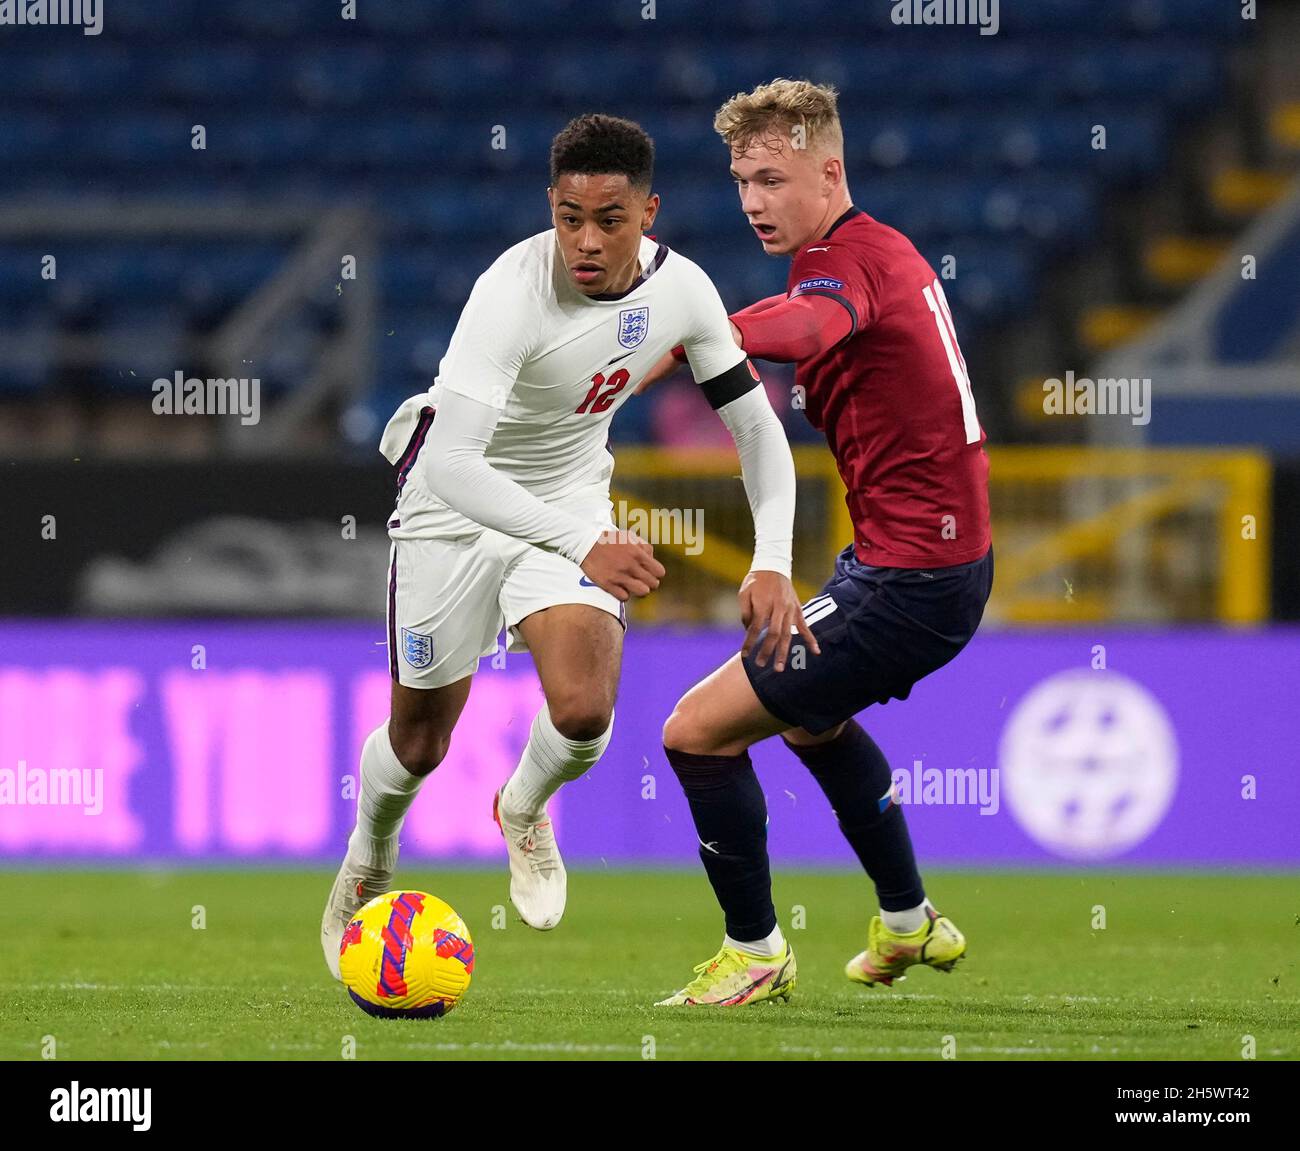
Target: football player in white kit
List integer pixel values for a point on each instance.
(503, 515)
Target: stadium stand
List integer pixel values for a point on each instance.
(979, 148)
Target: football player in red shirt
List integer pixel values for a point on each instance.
(865, 319)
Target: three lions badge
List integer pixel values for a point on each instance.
(633, 324)
(417, 649)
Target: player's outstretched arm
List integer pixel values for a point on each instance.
(760, 305)
(767, 597)
(795, 329)
(735, 392)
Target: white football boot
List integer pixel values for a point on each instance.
(538, 881)
(355, 885)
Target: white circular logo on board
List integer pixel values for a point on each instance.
(1089, 763)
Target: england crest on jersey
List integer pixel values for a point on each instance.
(633, 324)
(417, 648)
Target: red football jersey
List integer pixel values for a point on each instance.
(894, 400)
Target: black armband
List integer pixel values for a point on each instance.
(731, 385)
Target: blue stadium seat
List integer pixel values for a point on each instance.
(238, 73)
(26, 356)
(137, 21)
(340, 75)
(466, 74)
(283, 19)
(67, 74)
(991, 280)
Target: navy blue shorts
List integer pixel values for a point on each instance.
(880, 630)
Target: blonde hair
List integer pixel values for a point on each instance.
(781, 107)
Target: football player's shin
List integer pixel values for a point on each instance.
(549, 760)
(855, 776)
(387, 792)
(730, 817)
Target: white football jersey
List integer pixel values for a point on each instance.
(559, 364)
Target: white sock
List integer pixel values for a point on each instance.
(905, 922)
(387, 791)
(768, 948)
(549, 761)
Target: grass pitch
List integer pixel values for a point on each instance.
(111, 965)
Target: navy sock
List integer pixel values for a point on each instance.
(855, 775)
(730, 816)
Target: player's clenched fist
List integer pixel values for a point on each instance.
(623, 564)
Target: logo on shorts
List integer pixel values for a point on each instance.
(583, 581)
(633, 324)
(817, 608)
(417, 649)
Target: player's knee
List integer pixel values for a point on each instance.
(580, 719)
(419, 747)
(683, 731)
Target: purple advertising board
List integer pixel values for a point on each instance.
(203, 741)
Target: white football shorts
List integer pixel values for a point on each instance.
(450, 596)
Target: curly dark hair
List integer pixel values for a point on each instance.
(598, 144)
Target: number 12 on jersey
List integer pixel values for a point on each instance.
(948, 334)
(603, 402)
